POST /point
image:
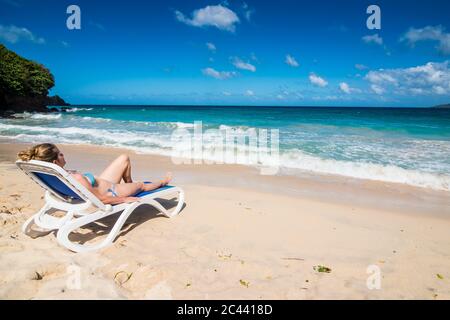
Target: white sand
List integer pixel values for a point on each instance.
(240, 236)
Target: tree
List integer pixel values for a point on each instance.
(20, 77)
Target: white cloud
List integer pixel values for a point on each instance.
(361, 66)
(238, 63)
(318, 81)
(249, 93)
(211, 46)
(247, 11)
(65, 44)
(290, 60)
(431, 78)
(430, 33)
(13, 34)
(216, 16)
(373, 39)
(344, 87)
(218, 74)
(377, 89)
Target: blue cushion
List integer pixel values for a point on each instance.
(56, 185)
(145, 193)
(60, 188)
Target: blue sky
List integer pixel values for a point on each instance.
(237, 52)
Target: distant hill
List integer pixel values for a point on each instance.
(443, 106)
(24, 85)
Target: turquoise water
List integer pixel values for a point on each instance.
(409, 146)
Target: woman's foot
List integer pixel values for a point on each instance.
(161, 183)
(166, 179)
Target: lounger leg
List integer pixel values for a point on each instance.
(69, 227)
(26, 227)
(64, 231)
(166, 212)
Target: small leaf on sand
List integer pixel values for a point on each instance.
(244, 283)
(225, 256)
(320, 268)
(37, 276)
(128, 276)
(440, 276)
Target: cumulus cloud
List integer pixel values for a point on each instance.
(216, 16)
(13, 34)
(318, 81)
(290, 60)
(211, 46)
(377, 89)
(345, 87)
(429, 33)
(238, 63)
(249, 93)
(218, 74)
(431, 78)
(376, 39)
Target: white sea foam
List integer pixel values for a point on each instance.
(37, 116)
(46, 116)
(97, 119)
(78, 109)
(297, 159)
(159, 143)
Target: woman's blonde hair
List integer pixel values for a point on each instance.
(43, 152)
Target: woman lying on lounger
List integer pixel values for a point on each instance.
(107, 186)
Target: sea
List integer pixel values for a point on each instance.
(401, 145)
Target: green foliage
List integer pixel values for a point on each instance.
(320, 268)
(22, 77)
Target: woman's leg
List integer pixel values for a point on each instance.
(117, 170)
(130, 189)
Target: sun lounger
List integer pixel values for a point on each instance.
(64, 193)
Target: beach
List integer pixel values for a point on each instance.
(241, 235)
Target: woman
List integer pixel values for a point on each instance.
(107, 186)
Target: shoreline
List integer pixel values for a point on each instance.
(315, 186)
(240, 236)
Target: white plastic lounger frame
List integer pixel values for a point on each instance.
(65, 193)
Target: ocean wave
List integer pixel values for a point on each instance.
(37, 116)
(78, 109)
(161, 143)
(46, 116)
(296, 159)
(97, 119)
